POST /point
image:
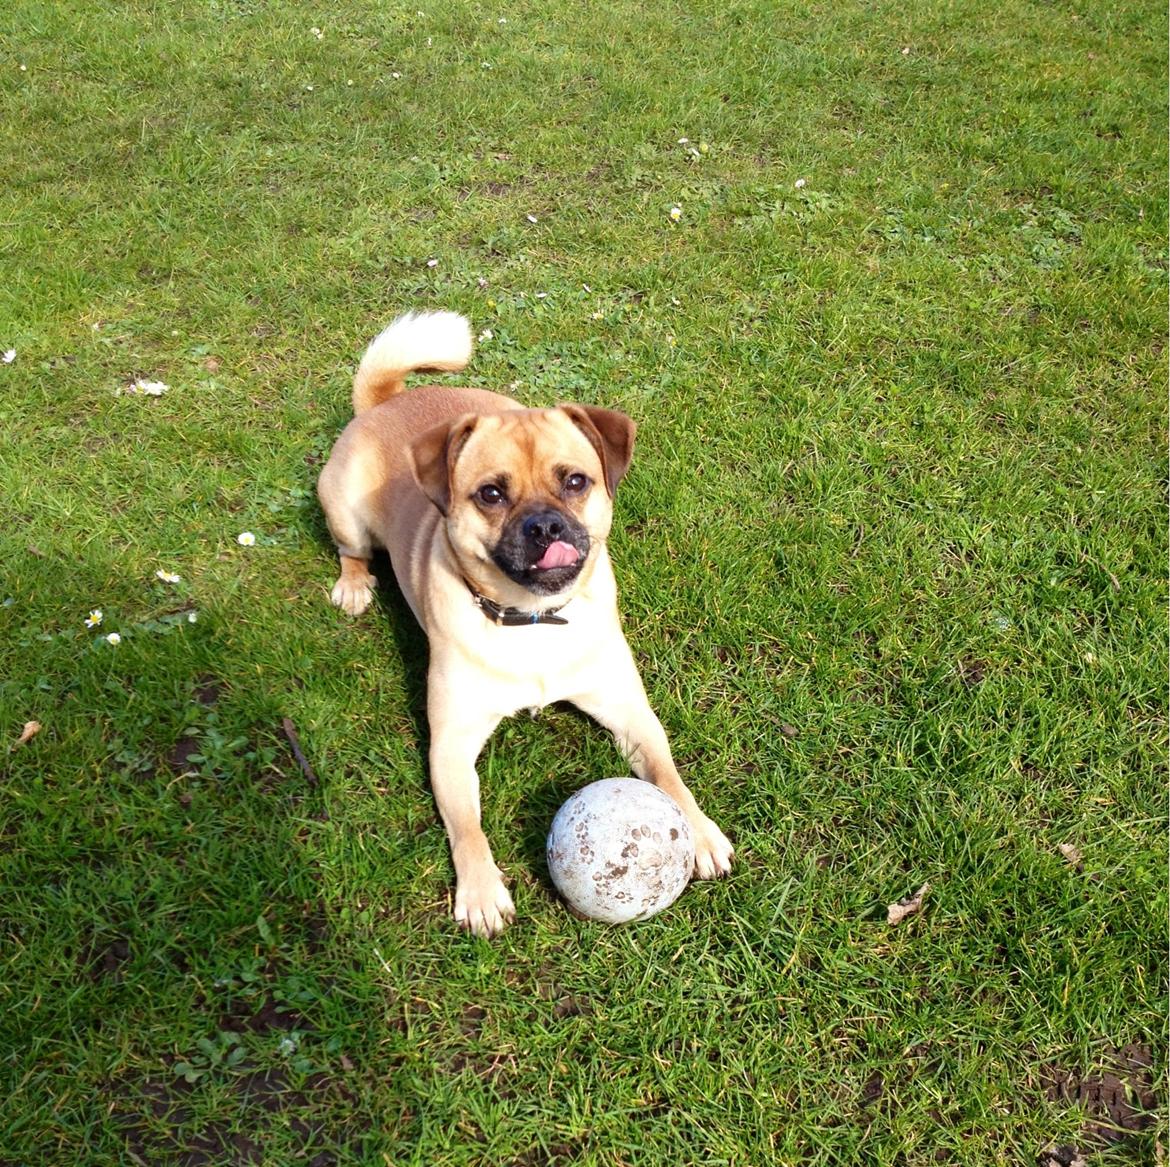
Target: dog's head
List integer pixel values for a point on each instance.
(527, 494)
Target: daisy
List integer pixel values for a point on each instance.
(114, 639)
(146, 388)
(9, 356)
(168, 576)
(487, 334)
(675, 214)
(94, 618)
(246, 539)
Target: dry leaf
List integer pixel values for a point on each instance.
(907, 906)
(1072, 854)
(31, 729)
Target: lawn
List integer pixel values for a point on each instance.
(892, 554)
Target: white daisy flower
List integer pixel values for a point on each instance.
(146, 388)
(94, 618)
(9, 356)
(487, 334)
(246, 539)
(800, 183)
(675, 214)
(113, 638)
(168, 576)
(192, 617)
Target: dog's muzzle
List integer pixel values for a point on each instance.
(543, 550)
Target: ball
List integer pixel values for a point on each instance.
(620, 850)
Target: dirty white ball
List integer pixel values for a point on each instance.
(619, 850)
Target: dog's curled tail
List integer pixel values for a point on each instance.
(418, 340)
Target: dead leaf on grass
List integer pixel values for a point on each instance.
(31, 729)
(1073, 854)
(895, 913)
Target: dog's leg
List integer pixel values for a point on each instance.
(354, 588)
(482, 903)
(623, 709)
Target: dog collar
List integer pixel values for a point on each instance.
(513, 617)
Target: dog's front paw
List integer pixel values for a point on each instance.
(713, 852)
(483, 905)
(352, 593)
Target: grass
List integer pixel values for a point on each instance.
(893, 556)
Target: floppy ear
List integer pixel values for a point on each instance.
(612, 435)
(433, 455)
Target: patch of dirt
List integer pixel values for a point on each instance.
(1118, 1098)
(105, 960)
(971, 671)
(207, 690)
(179, 759)
(558, 1155)
(245, 1016)
(1061, 1157)
(158, 1118)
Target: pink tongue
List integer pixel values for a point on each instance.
(558, 554)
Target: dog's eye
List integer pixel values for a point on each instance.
(490, 494)
(575, 483)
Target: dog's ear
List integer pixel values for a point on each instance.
(612, 435)
(432, 458)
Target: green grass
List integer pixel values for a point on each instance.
(893, 556)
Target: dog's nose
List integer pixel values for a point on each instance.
(543, 528)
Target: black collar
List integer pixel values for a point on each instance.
(513, 617)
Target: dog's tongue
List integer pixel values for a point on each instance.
(558, 554)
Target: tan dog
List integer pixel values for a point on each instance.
(496, 519)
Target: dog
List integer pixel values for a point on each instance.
(496, 519)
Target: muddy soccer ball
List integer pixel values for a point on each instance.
(619, 850)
